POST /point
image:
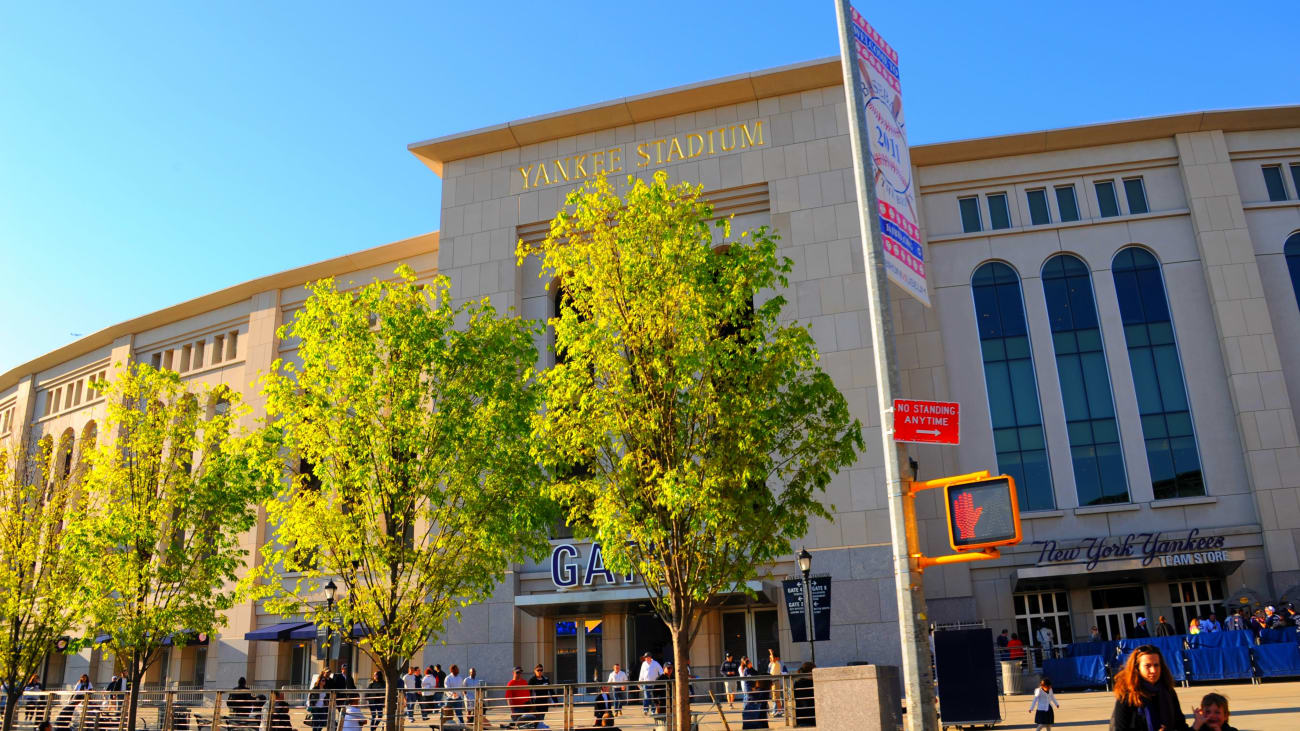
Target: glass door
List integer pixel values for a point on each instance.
(750, 633)
(1118, 624)
(579, 650)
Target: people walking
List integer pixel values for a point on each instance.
(454, 696)
(774, 668)
(1002, 641)
(618, 684)
(1041, 706)
(1046, 640)
(518, 696)
(376, 697)
(650, 671)
(1140, 629)
(539, 684)
(1235, 621)
(754, 714)
(428, 696)
(729, 669)
(805, 701)
(411, 682)
(318, 702)
(472, 683)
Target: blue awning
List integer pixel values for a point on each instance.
(308, 632)
(283, 631)
(102, 638)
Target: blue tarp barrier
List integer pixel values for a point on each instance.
(1276, 660)
(1104, 648)
(1086, 671)
(1166, 645)
(1284, 636)
(1229, 638)
(1219, 663)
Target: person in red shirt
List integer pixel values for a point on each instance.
(1015, 648)
(518, 695)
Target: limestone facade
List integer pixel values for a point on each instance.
(772, 148)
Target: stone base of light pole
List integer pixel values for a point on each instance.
(858, 696)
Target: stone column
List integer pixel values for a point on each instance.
(230, 656)
(1261, 405)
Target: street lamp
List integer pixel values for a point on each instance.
(805, 567)
(330, 589)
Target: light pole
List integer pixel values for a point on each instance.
(805, 567)
(330, 589)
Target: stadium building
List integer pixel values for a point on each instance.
(1114, 306)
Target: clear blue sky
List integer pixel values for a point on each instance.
(153, 152)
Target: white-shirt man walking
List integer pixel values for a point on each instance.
(618, 683)
(650, 671)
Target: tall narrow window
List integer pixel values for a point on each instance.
(1107, 203)
(1292, 251)
(1066, 204)
(1295, 178)
(999, 213)
(1038, 211)
(218, 347)
(1157, 376)
(970, 214)
(1012, 388)
(1095, 451)
(232, 345)
(1136, 195)
(1273, 181)
(199, 347)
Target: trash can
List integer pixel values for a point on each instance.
(1013, 682)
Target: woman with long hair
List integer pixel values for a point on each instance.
(1145, 699)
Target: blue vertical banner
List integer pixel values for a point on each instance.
(880, 97)
(820, 588)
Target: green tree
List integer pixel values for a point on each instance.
(413, 416)
(705, 428)
(170, 490)
(38, 576)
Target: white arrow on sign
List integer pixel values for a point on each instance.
(931, 432)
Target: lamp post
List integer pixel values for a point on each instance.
(330, 589)
(805, 567)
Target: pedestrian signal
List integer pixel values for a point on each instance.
(982, 514)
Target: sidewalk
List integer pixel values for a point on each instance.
(1266, 707)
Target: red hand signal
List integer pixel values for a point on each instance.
(966, 515)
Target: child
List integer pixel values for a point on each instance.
(1213, 714)
(1041, 706)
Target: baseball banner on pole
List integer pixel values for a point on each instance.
(880, 98)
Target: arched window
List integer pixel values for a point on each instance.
(1292, 251)
(1157, 376)
(63, 463)
(1012, 388)
(1099, 476)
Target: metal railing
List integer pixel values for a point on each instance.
(629, 705)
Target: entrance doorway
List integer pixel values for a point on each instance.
(579, 650)
(647, 633)
(1116, 610)
(751, 633)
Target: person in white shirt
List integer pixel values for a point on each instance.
(650, 671)
(429, 699)
(618, 683)
(454, 684)
(1046, 638)
(351, 718)
(1041, 706)
(472, 681)
(411, 681)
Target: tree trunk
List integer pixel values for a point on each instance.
(681, 681)
(133, 697)
(392, 686)
(11, 707)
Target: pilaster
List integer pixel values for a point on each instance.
(1261, 407)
